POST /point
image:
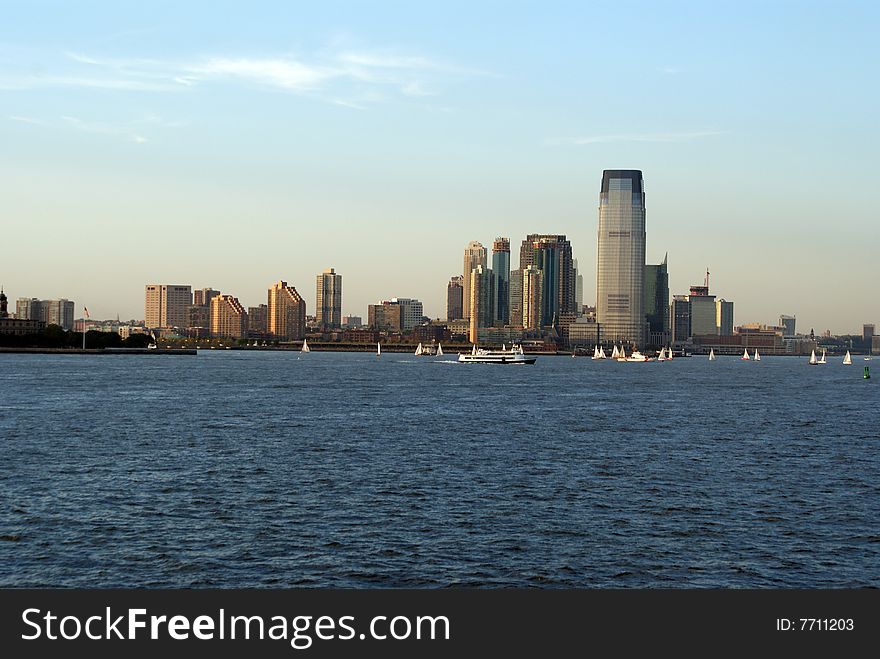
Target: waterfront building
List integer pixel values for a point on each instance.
(788, 325)
(29, 309)
(286, 313)
(482, 303)
(532, 297)
(583, 332)
(258, 319)
(411, 312)
(868, 333)
(199, 316)
(516, 298)
(621, 256)
(724, 317)
(474, 255)
(656, 302)
(21, 326)
(680, 319)
(165, 305)
(455, 298)
(459, 329)
(328, 305)
(386, 316)
(551, 253)
(202, 296)
(352, 321)
(875, 344)
(501, 272)
(704, 316)
(228, 317)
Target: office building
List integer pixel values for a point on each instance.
(411, 312)
(867, 333)
(166, 305)
(202, 296)
(551, 253)
(787, 323)
(482, 302)
(328, 305)
(532, 294)
(474, 255)
(455, 298)
(704, 316)
(286, 313)
(621, 256)
(352, 321)
(724, 317)
(680, 318)
(578, 288)
(228, 317)
(29, 309)
(501, 272)
(656, 302)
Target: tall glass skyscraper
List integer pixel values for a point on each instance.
(474, 255)
(621, 261)
(501, 268)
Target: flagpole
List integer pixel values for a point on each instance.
(85, 317)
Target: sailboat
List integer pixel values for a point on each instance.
(745, 355)
(847, 359)
(378, 350)
(602, 353)
(669, 354)
(615, 353)
(596, 354)
(621, 356)
(305, 347)
(662, 356)
(823, 360)
(439, 350)
(711, 354)
(419, 350)
(813, 361)
(757, 356)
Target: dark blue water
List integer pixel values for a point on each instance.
(267, 469)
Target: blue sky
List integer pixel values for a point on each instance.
(235, 144)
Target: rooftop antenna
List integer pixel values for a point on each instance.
(707, 278)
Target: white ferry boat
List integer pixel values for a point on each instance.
(481, 356)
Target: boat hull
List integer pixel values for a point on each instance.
(489, 359)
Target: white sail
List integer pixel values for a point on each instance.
(823, 360)
(622, 353)
(596, 353)
(745, 354)
(711, 354)
(757, 356)
(439, 350)
(474, 349)
(378, 350)
(615, 353)
(669, 354)
(305, 347)
(419, 349)
(813, 357)
(602, 353)
(847, 358)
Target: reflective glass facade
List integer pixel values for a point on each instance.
(621, 259)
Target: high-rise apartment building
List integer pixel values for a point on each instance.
(286, 313)
(386, 316)
(474, 255)
(59, 312)
(166, 305)
(680, 318)
(328, 305)
(621, 257)
(29, 308)
(867, 332)
(551, 253)
(501, 272)
(482, 302)
(455, 298)
(202, 296)
(516, 298)
(228, 317)
(656, 303)
(578, 288)
(532, 293)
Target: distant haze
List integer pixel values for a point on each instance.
(168, 143)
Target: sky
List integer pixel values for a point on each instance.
(230, 145)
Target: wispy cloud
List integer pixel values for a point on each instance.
(26, 120)
(358, 78)
(634, 137)
(669, 70)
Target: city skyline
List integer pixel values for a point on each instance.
(137, 149)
